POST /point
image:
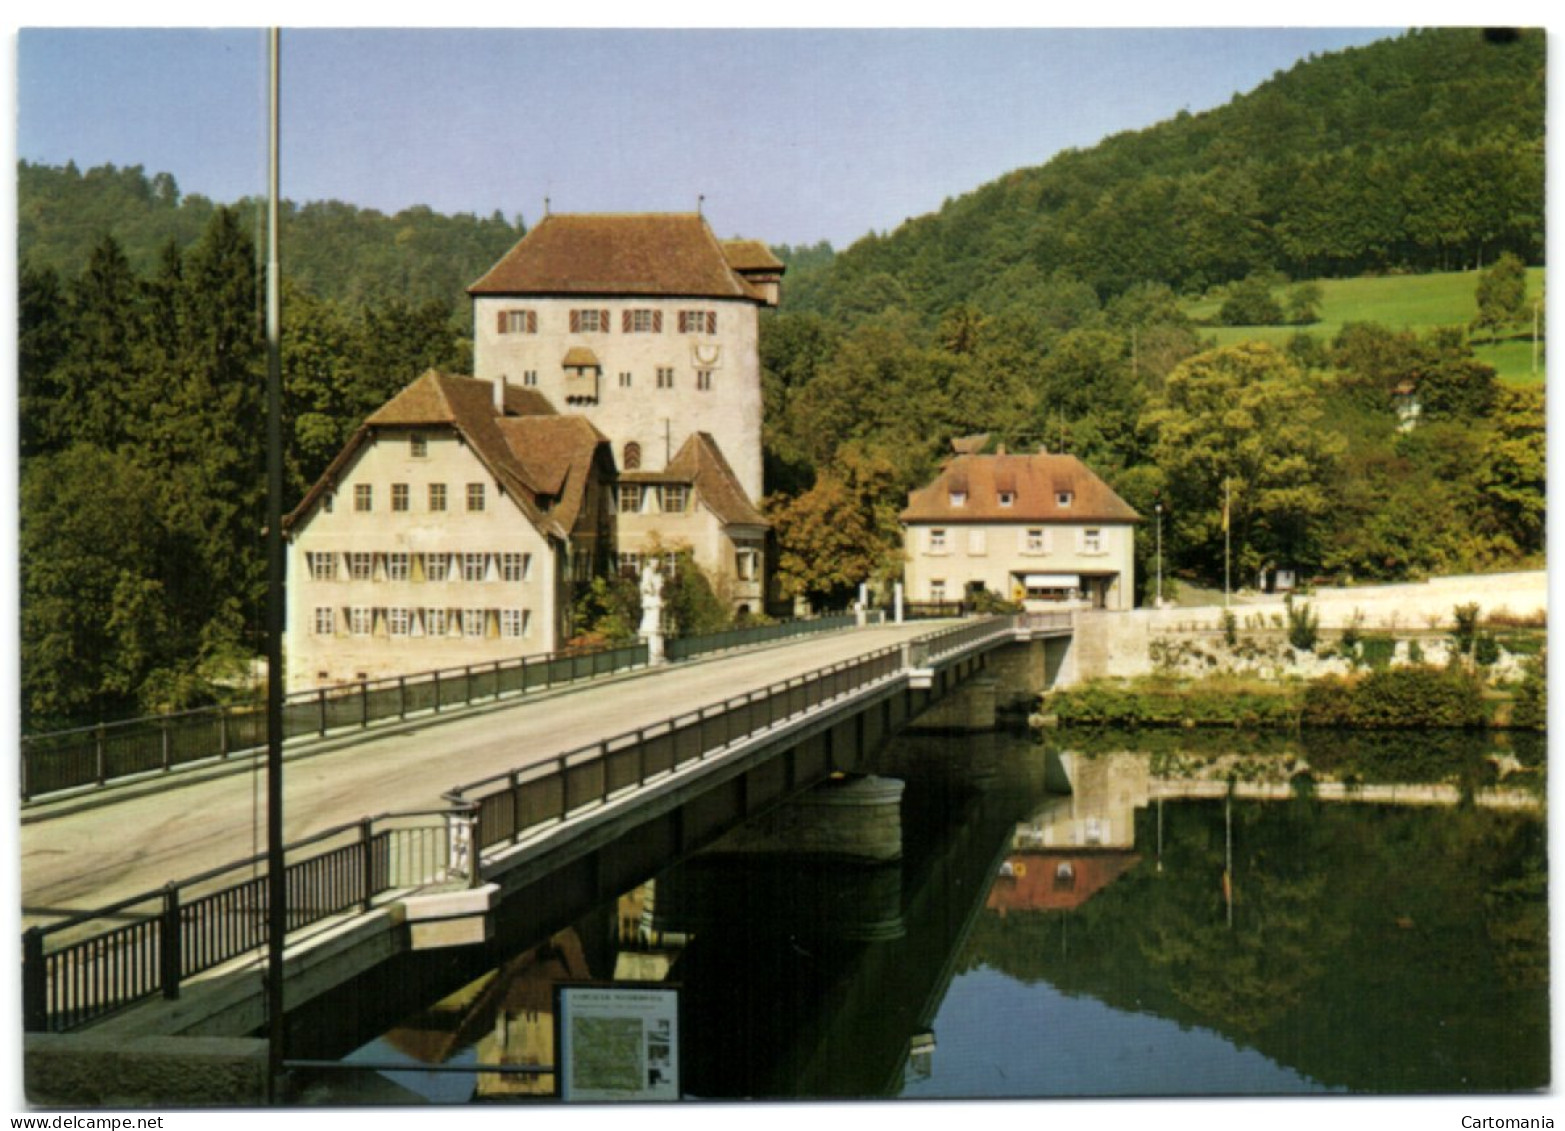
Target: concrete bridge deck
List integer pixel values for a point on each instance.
(77, 858)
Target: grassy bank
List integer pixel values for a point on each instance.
(1413, 302)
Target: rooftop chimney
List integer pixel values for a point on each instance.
(499, 395)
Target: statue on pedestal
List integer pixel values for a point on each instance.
(651, 629)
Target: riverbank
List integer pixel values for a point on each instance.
(1405, 697)
(1405, 624)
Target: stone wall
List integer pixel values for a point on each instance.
(91, 1071)
(1123, 645)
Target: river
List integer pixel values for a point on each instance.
(1065, 922)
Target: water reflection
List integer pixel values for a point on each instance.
(1058, 926)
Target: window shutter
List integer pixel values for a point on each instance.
(711, 322)
(603, 320)
(501, 328)
(657, 321)
(575, 321)
(624, 321)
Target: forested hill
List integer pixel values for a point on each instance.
(338, 252)
(1422, 152)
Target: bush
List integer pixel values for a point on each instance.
(1396, 697)
(1486, 650)
(1250, 303)
(1530, 705)
(1465, 629)
(1377, 651)
(1303, 625)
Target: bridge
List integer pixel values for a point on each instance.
(560, 798)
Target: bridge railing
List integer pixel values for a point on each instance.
(114, 751)
(1060, 620)
(96, 755)
(97, 962)
(508, 806)
(936, 644)
(682, 648)
(76, 971)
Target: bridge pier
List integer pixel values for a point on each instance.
(857, 818)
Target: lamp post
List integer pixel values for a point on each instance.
(1160, 554)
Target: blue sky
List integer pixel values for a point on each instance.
(791, 135)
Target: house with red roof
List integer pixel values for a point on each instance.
(448, 531)
(1039, 528)
(614, 417)
(648, 325)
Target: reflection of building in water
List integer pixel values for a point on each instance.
(523, 1029)
(1056, 881)
(508, 1014)
(1099, 812)
(646, 952)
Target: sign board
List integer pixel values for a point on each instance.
(617, 1041)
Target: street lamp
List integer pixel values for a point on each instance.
(1160, 553)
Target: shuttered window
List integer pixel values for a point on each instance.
(518, 322)
(589, 321)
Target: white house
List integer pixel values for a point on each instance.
(447, 532)
(1035, 528)
(647, 325)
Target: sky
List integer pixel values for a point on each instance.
(790, 135)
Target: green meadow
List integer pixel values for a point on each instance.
(1414, 302)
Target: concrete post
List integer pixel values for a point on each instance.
(896, 603)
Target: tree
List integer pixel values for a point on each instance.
(43, 336)
(1304, 301)
(1242, 422)
(840, 533)
(1501, 295)
(1250, 303)
(1511, 475)
(97, 566)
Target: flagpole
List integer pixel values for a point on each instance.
(276, 886)
(1227, 537)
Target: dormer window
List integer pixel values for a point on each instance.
(1063, 498)
(1007, 498)
(958, 498)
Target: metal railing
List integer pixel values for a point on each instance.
(509, 805)
(74, 973)
(682, 648)
(96, 755)
(112, 751)
(1060, 621)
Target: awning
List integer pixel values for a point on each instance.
(1052, 581)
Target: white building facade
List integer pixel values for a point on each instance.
(446, 533)
(1039, 529)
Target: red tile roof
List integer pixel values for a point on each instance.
(538, 457)
(1035, 480)
(700, 462)
(664, 253)
(558, 452)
